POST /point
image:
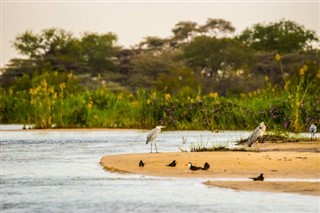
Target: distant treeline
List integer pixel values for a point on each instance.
(201, 77)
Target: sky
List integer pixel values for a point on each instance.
(132, 21)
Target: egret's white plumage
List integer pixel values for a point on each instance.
(313, 130)
(153, 134)
(257, 134)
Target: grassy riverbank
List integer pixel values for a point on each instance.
(55, 99)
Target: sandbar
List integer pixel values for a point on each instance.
(285, 161)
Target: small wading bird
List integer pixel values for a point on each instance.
(259, 178)
(153, 134)
(141, 164)
(206, 166)
(195, 168)
(172, 164)
(257, 134)
(313, 130)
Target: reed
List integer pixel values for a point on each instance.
(56, 99)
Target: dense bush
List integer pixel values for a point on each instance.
(56, 100)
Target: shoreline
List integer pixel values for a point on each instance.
(232, 165)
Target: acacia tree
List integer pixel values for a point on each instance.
(165, 71)
(283, 36)
(153, 43)
(210, 54)
(215, 26)
(62, 51)
(98, 51)
(183, 31)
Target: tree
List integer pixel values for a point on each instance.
(163, 71)
(98, 52)
(215, 26)
(283, 36)
(210, 55)
(184, 30)
(60, 50)
(153, 43)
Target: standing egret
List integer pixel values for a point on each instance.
(257, 134)
(153, 134)
(313, 130)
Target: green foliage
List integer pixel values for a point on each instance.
(55, 102)
(192, 80)
(61, 50)
(283, 36)
(211, 55)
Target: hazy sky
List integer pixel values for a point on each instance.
(132, 21)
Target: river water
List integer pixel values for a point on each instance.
(59, 171)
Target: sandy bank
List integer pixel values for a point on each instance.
(306, 188)
(289, 161)
(223, 164)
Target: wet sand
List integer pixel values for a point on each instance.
(305, 188)
(285, 161)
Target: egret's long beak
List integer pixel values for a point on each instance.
(162, 126)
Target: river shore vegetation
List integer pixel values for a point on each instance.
(201, 78)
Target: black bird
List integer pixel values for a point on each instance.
(206, 166)
(194, 168)
(172, 164)
(141, 164)
(259, 178)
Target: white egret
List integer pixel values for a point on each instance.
(257, 134)
(153, 134)
(313, 130)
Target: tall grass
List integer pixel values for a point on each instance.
(57, 99)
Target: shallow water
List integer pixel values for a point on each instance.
(59, 171)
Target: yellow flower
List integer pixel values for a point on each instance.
(198, 98)
(286, 87)
(62, 86)
(31, 91)
(44, 84)
(318, 75)
(70, 75)
(119, 97)
(54, 95)
(213, 95)
(305, 67)
(278, 57)
(167, 96)
(89, 105)
(303, 70)
(154, 95)
(51, 90)
(266, 78)
(37, 89)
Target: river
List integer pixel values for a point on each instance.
(59, 171)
